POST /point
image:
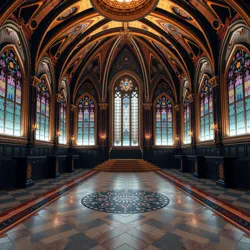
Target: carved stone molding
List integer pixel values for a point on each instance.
(177, 107)
(59, 97)
(72, 107)
(147, 106)
(103, 105)
(35, 81)
(190, 97)
(214, 81)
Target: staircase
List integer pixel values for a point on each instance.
(126, 165)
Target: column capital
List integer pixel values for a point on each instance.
(35, 81)
(103, 105)
(190, 97)
(72, 107)
(214, 81)
(147, 105)
(177, 107)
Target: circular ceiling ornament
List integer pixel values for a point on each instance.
(124, 10)
(125, 201)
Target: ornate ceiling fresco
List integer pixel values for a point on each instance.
(177, 33)
(124, 10)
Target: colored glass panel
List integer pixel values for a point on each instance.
(42, 111)
(126, 114)
(206, 112)
(239, 94)
(86, 122)
(164, 122)
(187, 121)
(62, 122)
(10, 94)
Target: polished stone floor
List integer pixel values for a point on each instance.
(182, 224)
(10, 198)
(237, 197)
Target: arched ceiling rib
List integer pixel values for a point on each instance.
(182, 31)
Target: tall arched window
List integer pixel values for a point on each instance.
(187, 121)
(126, 114)
(62, 120)
(86, 122)
(206, 111)
(239, 94)
(164, 122)
(10, 94)
(42, 111)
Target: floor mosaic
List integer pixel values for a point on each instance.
(183, 224)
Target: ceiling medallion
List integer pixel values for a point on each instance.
(124, 10)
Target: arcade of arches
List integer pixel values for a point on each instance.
(139, 108)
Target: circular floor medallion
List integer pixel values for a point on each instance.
(125, 201)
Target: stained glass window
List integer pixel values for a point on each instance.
(126, 114)
(239, 94)
(10, 94)
(187, 121)
(62, 120)
(86, 122)
(206, 112)
(42, 111)
(164, 122)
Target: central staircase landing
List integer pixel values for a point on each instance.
(126, 165)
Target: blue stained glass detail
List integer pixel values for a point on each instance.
(239, 93)
(42, 110)
(86, 122)
(10, 94)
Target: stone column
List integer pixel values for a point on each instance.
(103, 137)
(216, 110)
(148, 129)
(177, 138)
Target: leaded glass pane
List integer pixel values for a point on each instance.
(126, 114)
(238, 93)
(187, 121)
(86, 122)
(10, 94)
(42, 111)
(164, 122)
(206, 112)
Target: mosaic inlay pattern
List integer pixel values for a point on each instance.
(124, 10)
(125, 201)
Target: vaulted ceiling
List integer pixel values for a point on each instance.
(176, 34)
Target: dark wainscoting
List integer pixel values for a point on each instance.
(241, 168)
(161, 157)
(40, 170)
(89, 158)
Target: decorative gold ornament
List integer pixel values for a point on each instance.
(35, 81)
(177, 107)
(214, 81)
(57, 166)
(72, 107)
(196, 167)
(190, 98)
(124, 10)
(147, 106)
(29, 172)
(103, 106)
(59, 97)
(221, 172)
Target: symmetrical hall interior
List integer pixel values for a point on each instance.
(125, 124)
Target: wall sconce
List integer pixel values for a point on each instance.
(73, 138)
(177, 138)
(58, 133)
(215, 127)
(147, 137)
(35, 126)
(103, 137)
(191, 134)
